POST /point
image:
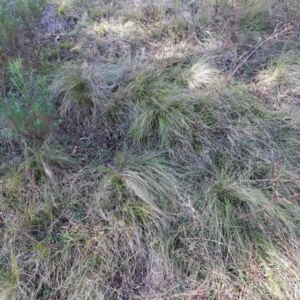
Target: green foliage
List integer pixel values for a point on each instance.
(163, 112)
(15, 16)
(231, 209)
(254, 15)
(85, 90)
(8, 24)
(10, 279)
(163, 120)
(26, 106)
(174, 171)
(44, 162)
(29, 10)
(139, 177)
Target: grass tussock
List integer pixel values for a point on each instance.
(85, 90)
(149, 150)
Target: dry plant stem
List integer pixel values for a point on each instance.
(151, 213)
(200, 293)
(275, 181)
(275, 34)
(241, 292)
(285, 200)
(225, 80)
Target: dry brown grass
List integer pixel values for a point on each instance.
(172, 171)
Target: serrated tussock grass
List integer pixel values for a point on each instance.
(164, 120)
(84, 91)
(159, 159)
(140, 177)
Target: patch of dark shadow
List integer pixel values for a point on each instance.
(2, 222)
(85, 143)
(79, 212)
(39, 233)
(44, 292)
(45, 223)
(8, 164)
(52, 23)
(5, 259)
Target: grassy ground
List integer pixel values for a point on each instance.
(150, 149)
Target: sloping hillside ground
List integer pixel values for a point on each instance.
(150, 149)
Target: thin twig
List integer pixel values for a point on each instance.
(274, 34)
(226, 79)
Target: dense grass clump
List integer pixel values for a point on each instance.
(149, 150)
(85, 90)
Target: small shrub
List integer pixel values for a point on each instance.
(15, 17)
(26, 107)
(8, 26)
